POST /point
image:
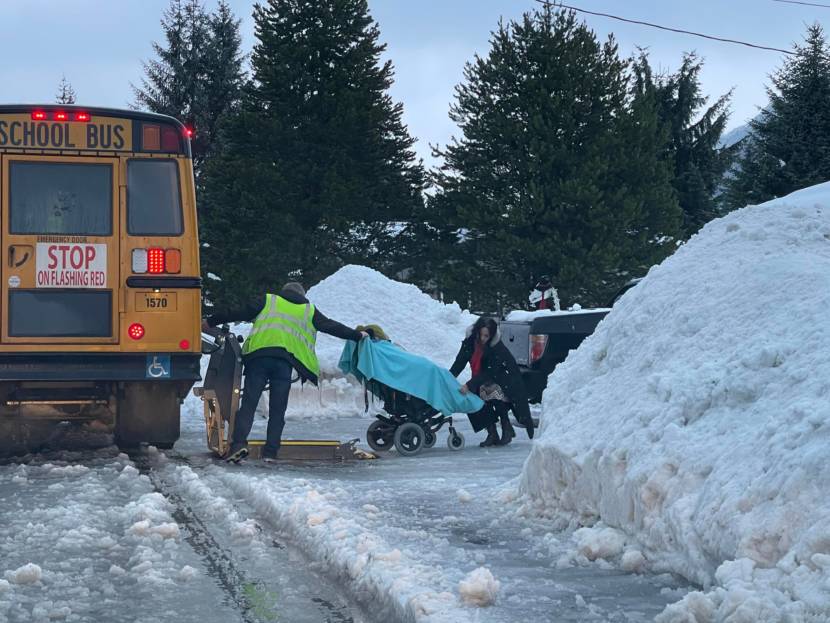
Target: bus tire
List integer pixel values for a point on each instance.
(147, 413)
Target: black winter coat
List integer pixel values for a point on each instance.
(497, 366)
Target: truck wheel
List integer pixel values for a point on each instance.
(147, 413)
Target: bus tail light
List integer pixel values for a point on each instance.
(537, 347)
(139, 261)
(136, 331)
(184, 344)
(155, 260)
(173, 261)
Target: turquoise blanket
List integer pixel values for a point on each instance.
(382, 361)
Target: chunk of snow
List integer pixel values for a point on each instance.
(633, 561)
(479, 588)
(596, 543)
(464, 496)
(5, 586)
(27, 574)
(187, 573)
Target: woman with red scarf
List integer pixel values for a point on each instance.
(496, 379)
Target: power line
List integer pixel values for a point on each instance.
(549, 4)
(824, 6)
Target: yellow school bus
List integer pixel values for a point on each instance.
(99, 268)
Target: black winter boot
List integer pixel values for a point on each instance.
(492, 437)
(507, 432)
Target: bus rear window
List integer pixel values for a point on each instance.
(60, 198)
(153, 200)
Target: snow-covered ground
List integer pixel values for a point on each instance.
(695, 422)
(436, 538)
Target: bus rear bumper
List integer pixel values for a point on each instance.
(158, 367)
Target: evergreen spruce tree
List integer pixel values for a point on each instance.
(66, 94)
(559, 171)
(318, 169)
(198, 74)
(788, 146)
(694, 131)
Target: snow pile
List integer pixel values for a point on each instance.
(356, 295)
(479, 588)
(697, 418)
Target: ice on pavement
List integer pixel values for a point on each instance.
(695, 422)
(81, 542)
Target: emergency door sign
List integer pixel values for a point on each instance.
(71, 265)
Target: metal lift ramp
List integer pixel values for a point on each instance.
(220, 394)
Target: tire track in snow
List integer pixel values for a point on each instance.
(218, 562)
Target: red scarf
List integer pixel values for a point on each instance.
(475, 360)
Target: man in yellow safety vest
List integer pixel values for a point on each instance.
(282, 339)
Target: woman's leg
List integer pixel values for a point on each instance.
(483, 418)
(507, 432)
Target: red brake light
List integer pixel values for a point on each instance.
(155, 260)
(61, 116)
(188, 132)
(38, 115)
(136, 331)
(184, 344)
(537, 347)
(82, 116)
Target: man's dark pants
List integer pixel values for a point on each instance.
(258, 373)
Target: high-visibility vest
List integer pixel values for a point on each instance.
(285, 325)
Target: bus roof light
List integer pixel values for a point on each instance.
(136, 331)
(169, 139)
(38, 115)
(82, 116)
(61, 116)
(155, 260)
(150, 137)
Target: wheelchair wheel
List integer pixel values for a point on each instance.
(429, 438)
(409, 439)
(379, 436)
(455, 441)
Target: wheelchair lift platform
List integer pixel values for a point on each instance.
(221, 392)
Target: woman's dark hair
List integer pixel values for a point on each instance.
(485, 322)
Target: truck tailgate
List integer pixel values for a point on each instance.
(516, 336)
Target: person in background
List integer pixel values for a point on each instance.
(282, 340)
(496, 379)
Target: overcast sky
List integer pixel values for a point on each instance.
(99, 46)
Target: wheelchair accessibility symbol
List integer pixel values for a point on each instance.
(158, 367)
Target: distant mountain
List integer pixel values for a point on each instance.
(733, 136)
